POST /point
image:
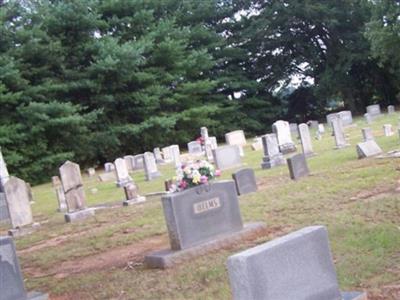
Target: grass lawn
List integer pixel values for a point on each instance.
(102, 257)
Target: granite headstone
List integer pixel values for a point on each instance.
(227, 157)
(245, 181)
(298, 167)
(368, 149)
(272, 155)
(305, 139)
(282, 131)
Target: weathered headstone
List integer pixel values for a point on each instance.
(257, 144)
(245, 181)
(272, 155)
(387, 130)
(321, 128)
(213, 141)
(109, 167)
(346, 117)
(305, 139)
(313, 124)
(3, 171)
(176, 155)
(194, 148)
(166, 151)
(122, 172)
(368, 118)
(367, 134)
(4, 214)
(11, 281)
(208, 149)
(62, 203)
(150, 166)
(130, 162)
(373, 110)
(227, 157)
(131, 195)
(204, 133)
(330, 117)
(296, 266)
(294, 130)
(158, 156)
(282, 131)
(17, 197)
(91, 172)
(298, 167)
(199, 219)
(368, 149)
(338, 133)
(236, 138)
(390, 109)
(107, 176)
(138, 163)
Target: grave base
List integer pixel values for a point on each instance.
(287, 148)
(342, 146)
(22, 231)
(168, 258)
(138, 199)
(79, 215)
(269, 163)
(37, 296)
(354, 296)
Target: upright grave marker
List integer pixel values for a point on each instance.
(131, 194)
(368, 118)
(272, 155)
(298, 167)
(387, 130)
(130, 162)
(296, 266)
(245, 181)
(3, 171)
(373, 110)
(158, 156)
(91, 172)
(194, 148)
(176, 155)
(282, 131)
(236, 138)
(122, 172)
(167, 155)
(390, 109)
(109, 167)
(150, 166)
(138, 163)
(227, 157)
(305, 139)
(338, 133)
(367, 134)
(294, 129)
(368, 148)
(257, 144)
(62, 203)
(346, 117)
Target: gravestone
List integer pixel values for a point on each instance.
(294, 130)
(390, 109)
(150, 166)
(167, 155)
(122, 172)
(62, 203)
(4, 214)
(367, 134)
(257, 144)
(208, 150)
(313, 124)
(368, 149)
(204, 133)
(387, 130)
(194, 148)
(108, 176)
(305, 139)
(298, 167)
(296, 266)
(227, 157)
(236, 138)
(245, 181)
(368, 118)
(321, 128)
(338, 133)
(272, 155)
(11, 281)
(17, 197)
(138, 163)
(200, 219)
(131, 194)
(282, 131)
(346, 117)
(330, 117)
(130, 162)
(176, 155)
(158, 156)
(91, 172)
(373, 110)
(3, 171)
(213, 142)
(71, 179)
(109, 167)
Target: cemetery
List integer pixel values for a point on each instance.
(199, 149)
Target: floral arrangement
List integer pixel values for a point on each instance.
(193, 174)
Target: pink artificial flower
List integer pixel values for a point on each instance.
(183, 184)
(203, 179)
(218, 172)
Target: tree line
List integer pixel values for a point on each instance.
(90, 80)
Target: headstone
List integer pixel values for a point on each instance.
(4, 214)
(294, 130)
(227, 157)
(313, 124)
(257, 144)
(108, 176)
(236, 138)
(346, 117)
(368, 149)
(373, 110)
(213, 141)
(158, 156)
(131, 195)
(204, 133)
(176, 155)
(245, 181)
(390, 109)
(330, 117)
(91, 172)
(272, 155)
(338, 133)
(367, 134)
(17, 197)
(305, 139)
(109, 167)
(138, 163)
(368, 118)
(150, 166)
(194, 148)
(208, 149)
(3, 171)
(298, 167)
(122, 172)
(62, 203)
(296, 266)
(166, 151)
(130, 162)
(30, 192)
(387, 130)
(11, 281)
(321, 128)
(282, 131)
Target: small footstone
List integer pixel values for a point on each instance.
(79, 215)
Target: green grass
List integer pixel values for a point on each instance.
(355, 199)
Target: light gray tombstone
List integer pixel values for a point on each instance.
(272, 155)
(91, 172)
(298, 167)
(373, 110)
(338, 133)
(227, 157)
(17, 197)
(390, 109)
(257, 144)
(294, 130)
(109, 167)
(213, 141)
(237, 138)
(4, 214)
(130, 162)
(368, 149)
(313, 124)
(138, 163)
(346, 117)
(11, 281)
(208, 149)
(167, 155)
(158, 156)
(194, 148)
(321, 128)
(245, 181)
(62, 203)
(368, 118)
(305, 139)
(297, 266)
(282, 131)
(387, 130)
(122, 172)
(176, 155)
(330, 117)
(131, 195)
(150, 166)
(3, 171)
(367, 134)
(204, 133)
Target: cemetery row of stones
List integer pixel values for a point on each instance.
(189, 213)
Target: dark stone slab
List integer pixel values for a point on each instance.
(245, 181)
(298, 167)
(169, 258)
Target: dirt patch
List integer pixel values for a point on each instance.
(374, 193)
(388, 292)
(264, 183)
